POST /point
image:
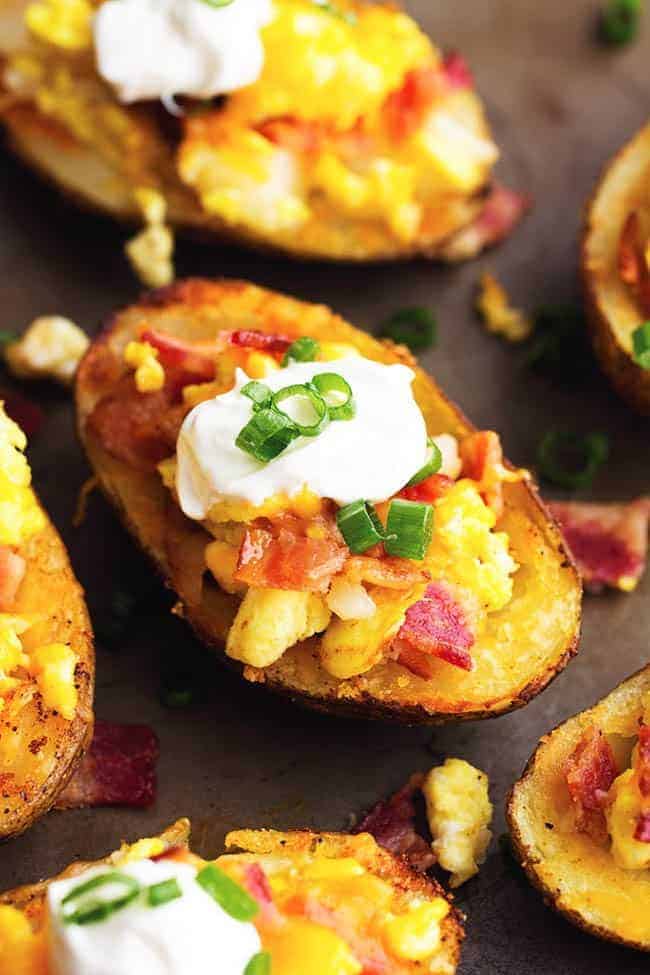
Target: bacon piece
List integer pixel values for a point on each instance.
(390, 572)
(27, 414)
(296, 135)
(502, 211)
(406, 109)
(643, 760)
(632, 264)
(457, 71)
(119, 769)
(436, 626)
(265, 342)
(608, 541)
(482, 457)
(429, 490)
(191, 362)
(392, 823)
(12, 573)
(590, 771)
(283, 556)
(642, 831)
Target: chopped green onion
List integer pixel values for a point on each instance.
(7, 337)
(641, 345)
(360, 526)
(258, 392)
(337, 394)
(347, 15)
(559, 346)
(620, 21)
(409, 527)
(304, 349)
(164, 892)
(227, 893)
(432, 465)
(414, 327)
(95, 908)
(260, 964)
(561, 448)
(309, 411)
(218, 3)
(266, 435)
(176, 696)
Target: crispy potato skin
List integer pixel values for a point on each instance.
(39, 750)
(578, 878)
(270, 842)
(195, 309)
(611, 311)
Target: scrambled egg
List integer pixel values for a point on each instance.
(499, 316)
(459, 813)
(269, 621)
(51, 666)
(52, 347)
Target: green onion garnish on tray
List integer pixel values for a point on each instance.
(259, 393)
(431, 466)
(408, 529)
(303, 406)
(620, 21)
(304, 349)
(227, 893)
(360, 526)
(414, 327)
(266, 434)
(641, 345)
(164, 892)
(337, 393)
(90, 902)
(570, 460)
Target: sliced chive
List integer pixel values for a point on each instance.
(258, 392)
(570, 460)
(164, 892)
(309, 411)
(409, 528)
(641, 345)
(337, 393)
(414, 327)
(432, 465)
(177, 697)
(6, 337)
(620, 21)
(218, 3)
(360, 526)
(227, 893)
(91, 908)
(260, 964)
(266, 435)
(304, 349)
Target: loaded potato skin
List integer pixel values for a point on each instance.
(574, 814)
(547, 606)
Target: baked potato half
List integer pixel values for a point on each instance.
(352, 666)
(365, 145)
(46, 650)
(614, 267)
(325, 902)
(572, 818)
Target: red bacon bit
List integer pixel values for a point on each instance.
(632, 264)
(406, 109)
(28, 415)
(431, 489)
(457, 71)
(12, 573)
(390, 572)
(193, 362)
(119, 769)
(642, 831)
(590, 771)
(608, 541)
(263, 341)
(482, 457)
(392, 823)
(502, 211)
(283, 556)
(293, 134)
(643, 760)
(436, 626)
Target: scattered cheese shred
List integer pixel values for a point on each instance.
(499, 317)
(151, 251)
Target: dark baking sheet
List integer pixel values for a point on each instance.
(560, 106)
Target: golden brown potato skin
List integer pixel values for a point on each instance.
(270, 842)
(576, 876)
(195, 309)
(612, 312)
(39, 750)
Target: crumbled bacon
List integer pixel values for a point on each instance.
(457, 71)
(405, 110)
(281, 555)
(190, 362)
(643, 760)
(389, 572)
(392, 823)
(431, 489)
(263, 341)
(482, 457)
(632, 263)
(642, 831)
(435, 627)
(501, 212)
(12, 573)
(608, 541)
(590, 771)
(119, 769)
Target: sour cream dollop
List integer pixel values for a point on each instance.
(182, 937)
(161, 48)
(370, 456)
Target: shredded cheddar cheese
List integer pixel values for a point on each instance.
(499, 316)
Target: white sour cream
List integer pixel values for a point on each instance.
(161, 48)
(183, 937)
(370, 456)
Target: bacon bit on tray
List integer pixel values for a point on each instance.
(12, 572)
(436, 626)
(27, 414)
(608, 541)
(590, 771)
(119, 769)
(250, 339)
(392, 823)
(502, 211)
